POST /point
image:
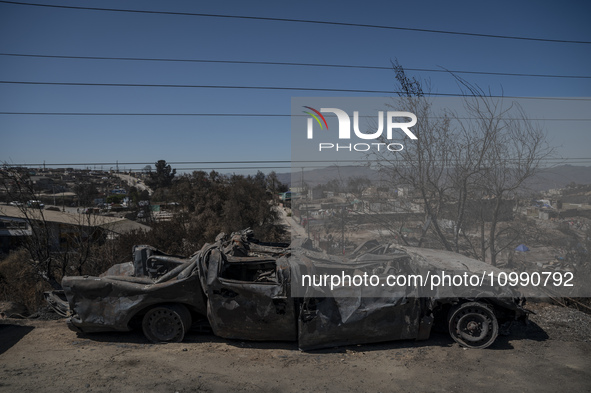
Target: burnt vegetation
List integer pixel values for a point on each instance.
(205, 204)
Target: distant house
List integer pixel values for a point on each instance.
(315, 193)
(12, 231)
(15, 226)
(42, 182)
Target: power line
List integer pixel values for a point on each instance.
(368, 67)
(285, 88)
(201, 86)
(149, 114)
(306, 21)
(296, 167)
(559, 159)
(228, 168)
(240, 115)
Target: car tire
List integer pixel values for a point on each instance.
(166, 323)
(473, 325)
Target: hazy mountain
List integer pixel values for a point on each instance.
(560, 176)
(556, 177)
(324, 175)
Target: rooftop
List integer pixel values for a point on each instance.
(114, 224)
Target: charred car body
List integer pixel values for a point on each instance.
(249, 290)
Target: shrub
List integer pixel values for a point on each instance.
(19, 283)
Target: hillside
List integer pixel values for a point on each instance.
(556, 177)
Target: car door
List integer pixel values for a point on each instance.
(355, 314)
(249, 298)
(334, 321)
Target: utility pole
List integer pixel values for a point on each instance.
(343, 228)
(308, 220)
(302, 185)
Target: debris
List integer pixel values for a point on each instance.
(12, 310)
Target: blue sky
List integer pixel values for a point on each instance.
(27, 139)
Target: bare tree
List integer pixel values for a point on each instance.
(18, 188)
(423, 164)
(52, 250)
(466, 168)
(357, 185)
(511, 150)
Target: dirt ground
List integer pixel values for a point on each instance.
(552, 353)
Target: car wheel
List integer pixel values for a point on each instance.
(473, 325)
(167, 323)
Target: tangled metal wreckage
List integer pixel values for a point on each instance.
(245, 289)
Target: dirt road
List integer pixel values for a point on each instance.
(552, 354)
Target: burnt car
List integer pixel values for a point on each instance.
(248, 290)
